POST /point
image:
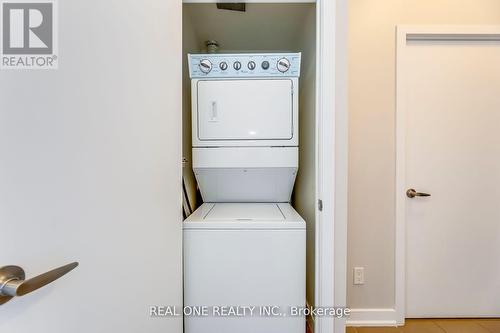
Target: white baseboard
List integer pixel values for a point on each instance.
(372, 317)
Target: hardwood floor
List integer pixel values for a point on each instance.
(436, 326)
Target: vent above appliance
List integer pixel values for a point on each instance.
(239, 7)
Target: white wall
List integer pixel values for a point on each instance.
(341, 157)
(371, 125)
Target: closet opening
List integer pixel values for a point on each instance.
(259, 28)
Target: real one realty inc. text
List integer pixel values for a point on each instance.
(247, 311)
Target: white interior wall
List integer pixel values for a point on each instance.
(266, 27)
(372, 65)
(341, 157)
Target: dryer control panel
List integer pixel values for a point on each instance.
(244, 65)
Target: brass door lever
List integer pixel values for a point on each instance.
(411, 193)
(13, 283)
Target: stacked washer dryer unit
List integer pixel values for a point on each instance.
(245, 246)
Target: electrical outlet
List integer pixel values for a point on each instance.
(359, 275)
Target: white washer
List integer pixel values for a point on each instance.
(243, 255)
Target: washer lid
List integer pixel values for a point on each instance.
(224, 216)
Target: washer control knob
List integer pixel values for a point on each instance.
(223, 65)
(283, 65)
(251, 65)
(265, 65)
(205, 66)
(237, 65)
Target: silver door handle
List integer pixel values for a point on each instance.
(411, 193)
(13, 283)
(213, 112)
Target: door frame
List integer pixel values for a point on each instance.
(405, 34)
(332, 157)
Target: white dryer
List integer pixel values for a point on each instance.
(245, 125)
(245, 246)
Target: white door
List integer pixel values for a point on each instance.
(90, 171)
(266, 114)
(449, 106)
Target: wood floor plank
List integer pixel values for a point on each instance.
(436, 326)
(460, 326)
(492, 325)
(351, 330)
(378, 330)
(421, 326)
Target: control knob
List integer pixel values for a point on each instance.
(251, 65)
(283, 65)
(223, 65)
(237, 65)
(205, 66)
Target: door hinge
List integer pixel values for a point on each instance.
(320, 205)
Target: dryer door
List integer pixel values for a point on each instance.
(243, 110)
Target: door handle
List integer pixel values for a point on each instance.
(411, 193)
(214, 113)
(13, 283)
